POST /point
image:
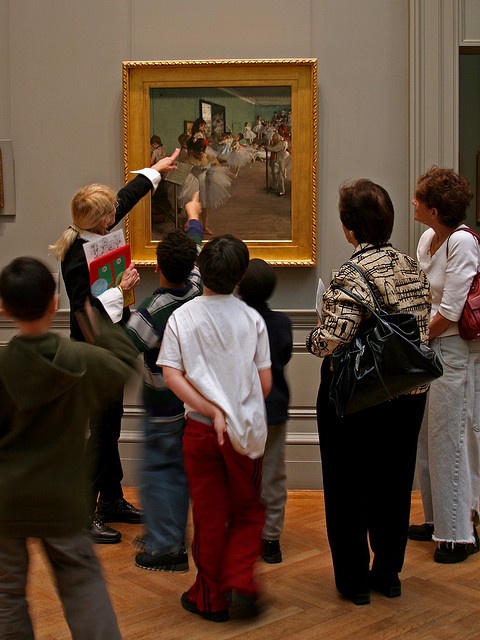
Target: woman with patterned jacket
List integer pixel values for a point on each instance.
(368, 457)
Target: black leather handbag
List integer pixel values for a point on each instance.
(384, 359)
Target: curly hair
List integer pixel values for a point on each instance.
(367, 210)
(176, 256)
(447, 192)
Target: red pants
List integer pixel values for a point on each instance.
(227, 516)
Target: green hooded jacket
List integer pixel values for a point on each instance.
(49, 385)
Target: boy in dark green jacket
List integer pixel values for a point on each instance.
(48, 389)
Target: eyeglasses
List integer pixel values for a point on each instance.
(117, 203)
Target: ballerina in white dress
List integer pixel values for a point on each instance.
(239, 155)
(248, 134)
(208, 177)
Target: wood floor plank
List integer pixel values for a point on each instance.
(438, 601)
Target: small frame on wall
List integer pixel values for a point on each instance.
(477, 186)
(260, 123)
(7, 179)
(2, 199)
(214, 116)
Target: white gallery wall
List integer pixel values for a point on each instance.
(61, 106)
(61, 99)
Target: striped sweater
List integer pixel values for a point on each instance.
(146, 328)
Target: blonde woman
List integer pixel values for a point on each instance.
(95, 210)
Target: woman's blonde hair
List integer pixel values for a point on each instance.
(89, 206)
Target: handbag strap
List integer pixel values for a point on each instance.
(357, 298)
(378, 307)
(471, 231)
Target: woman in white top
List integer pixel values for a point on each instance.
(448, 458)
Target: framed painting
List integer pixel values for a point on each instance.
(259, 121)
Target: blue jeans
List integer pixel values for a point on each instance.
(448, 460)
(164, 489)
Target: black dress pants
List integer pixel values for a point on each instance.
(102, 453)
(368, 466)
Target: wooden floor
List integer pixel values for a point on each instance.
(438, 601)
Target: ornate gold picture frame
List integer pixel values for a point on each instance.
(278, 223)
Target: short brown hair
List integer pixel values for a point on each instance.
(26, 289)
(367, 210)
(223, 262)
(447, 192)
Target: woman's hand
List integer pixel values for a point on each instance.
(168, 163)
(130, 278)
(438, 325)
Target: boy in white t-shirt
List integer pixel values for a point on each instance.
(215, 357)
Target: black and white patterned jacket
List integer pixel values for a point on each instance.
(397, 282)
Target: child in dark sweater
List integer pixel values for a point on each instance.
(255, 289)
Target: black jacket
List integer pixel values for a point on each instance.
(74, 265)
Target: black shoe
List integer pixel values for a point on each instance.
(174, 562)
(453, 552)
(271, 551)
(450, 553)
(213, 616)
(101, 534)
(119, 511)
(421, 532)
(243, 607)
(390, 587)
(357, 598)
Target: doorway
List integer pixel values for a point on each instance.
(469, 126)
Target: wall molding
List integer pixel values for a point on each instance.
(302, 450)
(434, 113)
(302, 320)
(469, 23)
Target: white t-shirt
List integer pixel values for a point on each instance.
(221, 343)
(450, 279)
